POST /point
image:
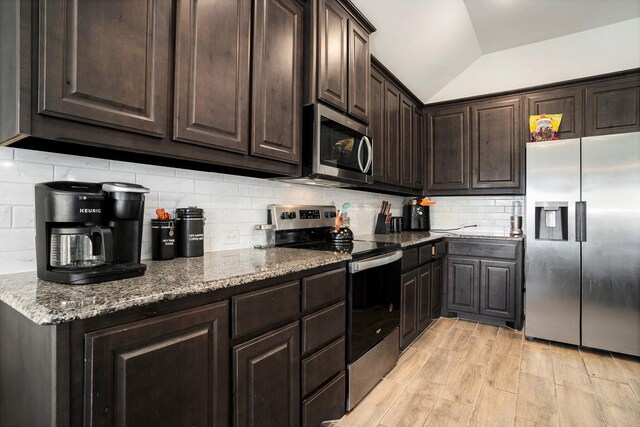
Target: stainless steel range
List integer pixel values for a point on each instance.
(373, 292)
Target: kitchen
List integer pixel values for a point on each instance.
(179, 136)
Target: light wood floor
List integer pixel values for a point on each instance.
(461, 373)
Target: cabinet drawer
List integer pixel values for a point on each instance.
(326, 404)
(409, 259)
(426, 254)
(323, 365)
(482, 248)
(324, 288)
(324, 326)
(256, 310)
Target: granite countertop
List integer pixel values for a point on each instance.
(412, 238)
(48, 303)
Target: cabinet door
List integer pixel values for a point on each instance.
(425, 274)
(266, 379)
(359, 71)
(332, 53)
(406, 141)
(498, 288)
(392, 133)
(448, 149)
(169, 370)
(408, 308)
(463, 281)
(106, 62)
(376, 125)
(212, 73)
(418, 156)
(496, 145)
(436, 289)
(277, 80)
(613, 106)
(567, 102)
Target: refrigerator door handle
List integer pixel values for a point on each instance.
(581, 221)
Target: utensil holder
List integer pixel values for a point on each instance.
(381, 226)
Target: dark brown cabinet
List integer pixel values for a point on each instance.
(408, 307)
(212, 73)
(497, 284)
(613, 106)
(277, 80)
(448, 149)
(343, 60)
(419, 156)
(106, 63)
(377, 115)
(484, 281)
(332, 53)
(169, 370)
(421, 290)
(565, 101)
(462, 284)
(392, 106)
(266, 379)
(496, 144)
(359, 71)
(406, 142)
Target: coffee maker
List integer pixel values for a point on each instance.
(416, 218)
(88, 233)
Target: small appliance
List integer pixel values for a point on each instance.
(337, 151)
(416, 218)
(87, 232)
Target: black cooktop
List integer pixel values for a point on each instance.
(359, 249)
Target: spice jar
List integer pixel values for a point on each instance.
(190, 231)
(163, 239)
(264, 236)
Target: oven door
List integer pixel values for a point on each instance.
(374, 302)
(342, 148)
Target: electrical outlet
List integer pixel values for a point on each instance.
(232, 236)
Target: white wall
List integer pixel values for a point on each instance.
(601, 50)
(231, 203)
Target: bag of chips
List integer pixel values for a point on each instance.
(544, 127)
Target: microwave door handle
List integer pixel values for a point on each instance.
(370, 151)
(360, 155)
(358, 266)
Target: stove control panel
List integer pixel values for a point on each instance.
(299, 217)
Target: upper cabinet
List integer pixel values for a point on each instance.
(613, 106)
(496, 146)
(565, 101)
(376, 124)
(339, 61)
(277, 80)
(106, 63)
(447, 149)
(212, 73)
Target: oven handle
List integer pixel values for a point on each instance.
(358, 266)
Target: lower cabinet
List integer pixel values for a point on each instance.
(168, 370)
(421, 291)
(266, 379)
(484, 281)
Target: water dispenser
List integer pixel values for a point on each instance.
(551, 221)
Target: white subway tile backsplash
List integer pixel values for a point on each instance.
(17, 261)
(165, 183)
(5, 216)
(171, 201)
(17, 194)
(23, 217)
(139, 168)
(211, 176)
(490, 213)
(66, 173)
(61, 159)
(14, 171)
(17, 239)
(216, 187)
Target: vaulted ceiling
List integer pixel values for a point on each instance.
(428, 43)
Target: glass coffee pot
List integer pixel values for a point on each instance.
(80, 247)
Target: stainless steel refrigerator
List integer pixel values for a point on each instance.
(582, 262)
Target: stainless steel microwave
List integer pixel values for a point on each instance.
(336, 149)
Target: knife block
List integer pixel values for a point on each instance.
(381, 226)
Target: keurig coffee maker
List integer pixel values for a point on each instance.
(88, 233)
